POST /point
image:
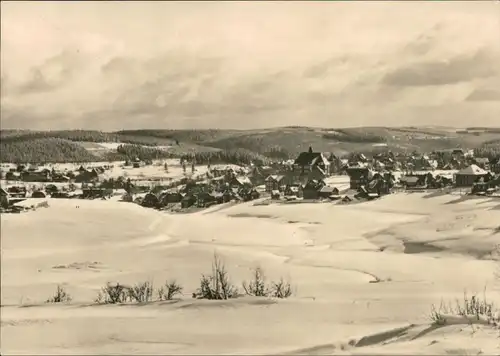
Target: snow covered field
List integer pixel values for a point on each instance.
(357, 270)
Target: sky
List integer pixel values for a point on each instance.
(126, 65)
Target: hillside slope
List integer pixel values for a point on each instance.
(42, 150)
(275, 143)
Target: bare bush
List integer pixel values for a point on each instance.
(216, 286)
(257, 286)
(472, 309)
(281, 289)
(60, 296)
(169, 290)
(112, 294)
(141, 292)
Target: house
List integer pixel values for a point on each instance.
(486, 187)
(453, 153)
(311, 189)
(32, 168)
(249, 194)
(38, 194)
(422, 162)
(81, 169)
(93, 192)
(275, 182)
(380, 185)
(38, 176)
(442, 181)
(138, 164)
(16, 176)
(355, 157)
(359, 176)
(205, 199)
(379, 166)
(87, 176)
(275, 194)
(17, 192)
(468, 176)
(335, 164)
(313, 161)
(256, 176)
(293, 190)
(363, 193)
(240, 182)
(150, 200)
(170, 197)
(327, 191)
(51, 189)
(187, 201)
(410, 181)
(227, 196)
(100, 169)
(63, 195)
(60, 177)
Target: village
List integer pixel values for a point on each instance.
(250, 178)
(183, 186)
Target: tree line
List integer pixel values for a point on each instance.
(231, 156)
(85, 136)
(491, 152)
(342, 136)
(43, 150)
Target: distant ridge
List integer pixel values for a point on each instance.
(272, 143)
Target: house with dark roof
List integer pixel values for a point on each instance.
(313, 161)
(36, 176)
(293, 190)
(87, 176)
(275, 182)
(359, 176)
(327, 191)
(240, 182)
(256, 176)
(470, 175)
(311, 189)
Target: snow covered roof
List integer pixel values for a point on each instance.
(472, 170)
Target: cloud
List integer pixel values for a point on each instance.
(485, 92)
(458, 69)
(242, 65)
(323, 68)
(54, 73)
(484, 95)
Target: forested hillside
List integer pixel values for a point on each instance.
(43, 150)
(85, 136)
(235, 146)
(232, 156)
(490, 149)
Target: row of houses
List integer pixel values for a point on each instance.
(199, 197)
(464, 178)
(45, 175)
(452, 159)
